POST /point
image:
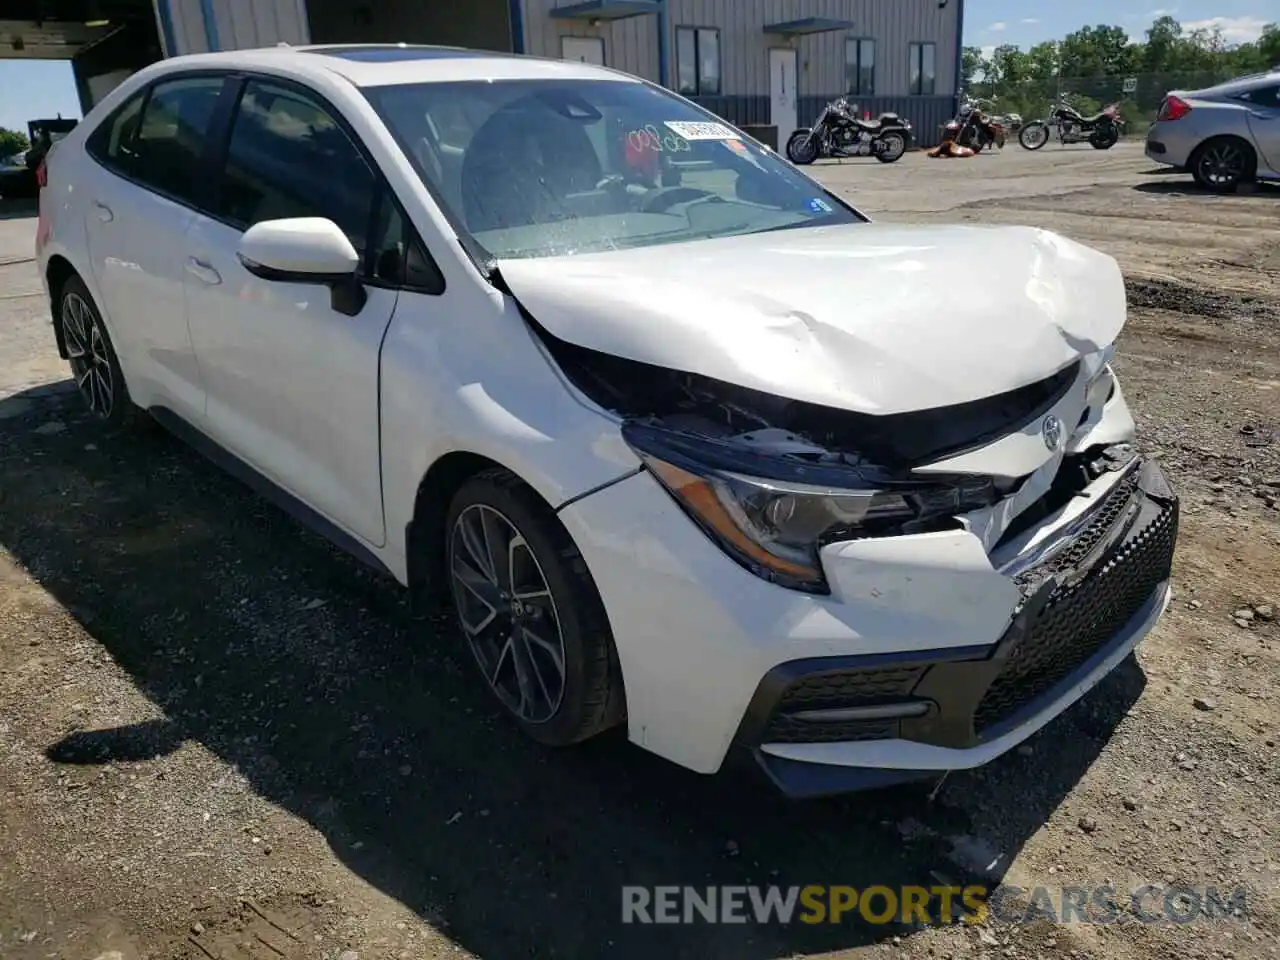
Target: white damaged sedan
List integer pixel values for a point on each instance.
(687, 443)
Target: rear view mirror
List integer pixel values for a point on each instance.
(305, 250)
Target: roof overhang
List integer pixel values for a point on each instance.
(605, 9)
(801, 28)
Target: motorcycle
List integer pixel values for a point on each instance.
(973, 129)
(838, 132)
(1101, 131)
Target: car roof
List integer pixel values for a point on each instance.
(1238, 85)
(385, 64)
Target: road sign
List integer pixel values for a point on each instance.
(1130, 84)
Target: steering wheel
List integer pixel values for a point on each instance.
(666, 197)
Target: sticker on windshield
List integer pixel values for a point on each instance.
(701, 130)
(818, 205)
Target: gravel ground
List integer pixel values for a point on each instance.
(220, 738)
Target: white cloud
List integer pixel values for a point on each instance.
(1029, 20)
(1162, 12)
(997, 26)
(988, 52)
(1234, 29)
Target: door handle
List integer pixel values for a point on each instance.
(104, 212)
(203, 272)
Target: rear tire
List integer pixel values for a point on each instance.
(1222, 164)
(530, 613)
(94, 364)
(799, 152)
(1033, 135)
(895, 145)
(1104, 139)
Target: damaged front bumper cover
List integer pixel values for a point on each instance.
(836, 724)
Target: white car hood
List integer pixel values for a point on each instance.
(874, 318)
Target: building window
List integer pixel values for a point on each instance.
(924, 70)
(698, 61)
(860, 67)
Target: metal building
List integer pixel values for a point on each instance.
(755, 62)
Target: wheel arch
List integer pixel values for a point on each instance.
(1251, 152)
(56, 274)
(425, 537)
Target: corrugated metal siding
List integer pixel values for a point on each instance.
(260, 23)
(240, 24)
(893, 24)
(630, 45)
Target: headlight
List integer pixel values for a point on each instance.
(775, 527)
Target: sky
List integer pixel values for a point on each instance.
(988, 23)
(44, 88)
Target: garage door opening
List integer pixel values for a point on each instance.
(483, 24)
(105, 40)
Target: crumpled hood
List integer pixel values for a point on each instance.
(874, 318)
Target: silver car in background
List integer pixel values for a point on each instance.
(1223, 136)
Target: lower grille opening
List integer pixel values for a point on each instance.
(841, 690)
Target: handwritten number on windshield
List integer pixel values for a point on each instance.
(648, 138)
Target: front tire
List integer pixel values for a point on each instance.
(1222, 164)
(1033, 135)
(894, 145)
(802, 149)
(530, 612)
(94, 364)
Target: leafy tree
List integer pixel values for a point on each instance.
(1101, 51)
(971, 64)
(12, 142)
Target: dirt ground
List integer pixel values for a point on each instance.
(220, 738)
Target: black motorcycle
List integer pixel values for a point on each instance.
(973, 128)
(1101, 130)
(839, 133)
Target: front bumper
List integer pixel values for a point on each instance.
(917, 626)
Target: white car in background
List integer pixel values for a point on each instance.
(689, 444)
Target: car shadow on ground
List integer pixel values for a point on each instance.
(1186, 187)
(293, 663)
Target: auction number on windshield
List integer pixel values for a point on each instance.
(649, 138)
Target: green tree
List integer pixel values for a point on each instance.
(1269, 45)
(12, 142)
(1044, 61)
(1100, 51)
(971, 64)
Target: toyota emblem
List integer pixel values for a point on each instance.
(1051, 430)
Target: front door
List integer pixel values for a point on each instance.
(291, 383)
(583, 49)
(782, 92)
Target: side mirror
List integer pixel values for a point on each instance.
(305, 250)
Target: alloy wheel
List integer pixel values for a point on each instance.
(507, 612)
(1222, 164)
(87, 350)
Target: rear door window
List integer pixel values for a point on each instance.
(158, 138)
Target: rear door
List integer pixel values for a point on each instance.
(1264, 122)
(138, 204)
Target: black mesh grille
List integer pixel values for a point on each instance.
(836, 689)
(1079, 619)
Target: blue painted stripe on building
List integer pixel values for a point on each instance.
(210, 25)
(959, 51)
(165, 16)
(517, 25)
(664, 45)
